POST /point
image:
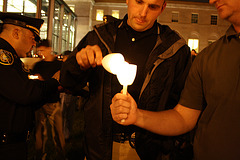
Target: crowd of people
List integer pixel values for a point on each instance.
(181, 106)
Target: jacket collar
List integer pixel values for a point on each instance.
(6, 46)
(107, 32)
(231, 33)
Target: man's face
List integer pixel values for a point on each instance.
(143, 13)
(227, 9)
(44, 52)
(27, 42)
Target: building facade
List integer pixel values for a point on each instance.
(67, 22)
(197, 22)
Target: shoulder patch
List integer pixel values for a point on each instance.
(6, 58)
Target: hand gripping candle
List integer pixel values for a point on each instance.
(125, 72)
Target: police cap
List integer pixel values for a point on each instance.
(33, 24)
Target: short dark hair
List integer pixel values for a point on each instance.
(44, 42)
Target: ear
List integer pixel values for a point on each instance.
(127, 2)
(16, 33)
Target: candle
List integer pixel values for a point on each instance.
(113, 62)
(126, 75)
(125, 72)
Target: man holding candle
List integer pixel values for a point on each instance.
(163, 60)
(210, 99)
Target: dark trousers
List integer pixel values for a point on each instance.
(16, 151)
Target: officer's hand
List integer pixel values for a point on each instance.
(124, 107)
(91, 56)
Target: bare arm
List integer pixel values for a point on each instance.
(169, 123)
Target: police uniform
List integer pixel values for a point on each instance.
(19, 95)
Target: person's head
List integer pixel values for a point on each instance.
(20, 31)
(228, 9)
(44, 48)
(193, 52)
(143, 13)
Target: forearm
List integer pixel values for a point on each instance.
(168, 123)
(171, 122)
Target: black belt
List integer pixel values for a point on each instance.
(10, 138)
(120, 137)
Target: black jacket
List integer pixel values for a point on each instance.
(166, 70)
(19, 96)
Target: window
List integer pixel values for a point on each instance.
(16, 6)
(72, 7)
(193, 44)
(175, 16)
(72, 31)
(115, 13)
(30, 8)
(44, 16)
(194, 18)
(56, 26)
(1, 5)
(27, 7)
(65, 31)
(213, 19)
(99, 15)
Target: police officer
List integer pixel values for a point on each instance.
(19, 95)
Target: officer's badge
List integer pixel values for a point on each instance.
(6, 58)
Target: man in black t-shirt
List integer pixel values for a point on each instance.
(210, 99)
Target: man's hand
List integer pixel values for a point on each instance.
(124, 107)
(91, 56)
